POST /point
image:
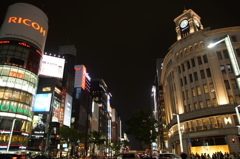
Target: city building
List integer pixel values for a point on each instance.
(201, 88)
(116, 124)
(22, 41)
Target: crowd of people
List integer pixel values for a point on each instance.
(216, 155)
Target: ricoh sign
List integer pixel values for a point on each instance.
(26, 22)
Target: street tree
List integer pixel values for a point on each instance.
(143, 126)
(96, 138)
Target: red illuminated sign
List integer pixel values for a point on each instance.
(4, 42)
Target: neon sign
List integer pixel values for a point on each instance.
(15, 109)
(27, 22)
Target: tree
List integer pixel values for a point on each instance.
(71, 134)
(96, 139)
(115, 146)
(143, 126)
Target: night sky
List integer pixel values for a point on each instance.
(120, 40)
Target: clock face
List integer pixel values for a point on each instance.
(196, 22)
(184, 23)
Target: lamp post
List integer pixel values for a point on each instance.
(237, 112)
(10, 138)
(179, 132)
(232, 56)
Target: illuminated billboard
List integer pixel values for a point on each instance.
(39, 125)
(52, 66)
(56, 111)
(26, 22)
(67, 110)
(82, 78)
(42, 102)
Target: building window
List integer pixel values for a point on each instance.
(188, 94)
(183, 68)
(234, 83)
(231, 100)
(238, 99)
(190, 49)
(185, 51)
(205, 87)
(229, 67)
(188, 65)
(205, 59)
(233, 38)
(44, 89)
(219, 55)
(183, 95)
(211, 87)
(208, 103)
(215, 102)
(226, 84)
(199, 90)
(202, 74)
(222, 68)
(190, 78)
(195, 76)
(181, 82)
(201, 104)
(193, 92)
(225, 53)
(193, 62)
(190, 107)
(238, 52)
(199, 60)
(179, 69)
(208, 72)
(196, 47)
(196, 106)
(185, 80)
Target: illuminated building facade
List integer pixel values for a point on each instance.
(116, 124)
(22, 41)
(200, 85)
(101, 96)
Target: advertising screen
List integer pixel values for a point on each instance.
(56, 111)
(42, 102)
(39, 125)
(52, 66)
(67, 110)
(26, 22)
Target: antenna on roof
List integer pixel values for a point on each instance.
(184, 8)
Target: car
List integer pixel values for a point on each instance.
(128, 155)
(169, 155)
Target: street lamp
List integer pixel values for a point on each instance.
(232, 56)
(179, 132)
(236, 108)
(10, 138)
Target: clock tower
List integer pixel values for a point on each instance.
(187, 23)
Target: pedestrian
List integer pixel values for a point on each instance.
(183, 155)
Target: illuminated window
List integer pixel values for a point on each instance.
(201, 104)
(222, 68)
(211, 87)
(208, 103)
(229, 67)
(188, 94)
(45, 89)
(231, 100)
(215, 103)
(8, 94)
(238, 99)
(193, 92)
(199, 90)
(205, 87)
(1, 93)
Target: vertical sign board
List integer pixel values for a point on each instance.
(27, 22)
(61, 114)
(67, 110)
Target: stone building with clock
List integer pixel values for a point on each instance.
(201, 87)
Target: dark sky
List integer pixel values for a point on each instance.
(120, 40)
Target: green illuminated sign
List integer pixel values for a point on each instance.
(15, 109)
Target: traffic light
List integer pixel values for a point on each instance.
(233, 140)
